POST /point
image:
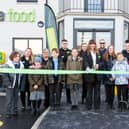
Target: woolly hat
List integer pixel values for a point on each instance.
(37, 59)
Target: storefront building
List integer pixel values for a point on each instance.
(20, 27)
(82, 20)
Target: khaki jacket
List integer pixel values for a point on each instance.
(74, 65)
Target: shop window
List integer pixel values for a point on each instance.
(94, 6)
(61, 31)
(27, 0)
(20, 44)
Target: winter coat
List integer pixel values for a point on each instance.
(64, 54)
(74, 65)
(83, 55)
(51, 79)
(108, 67)
(25, 83)
(101, 53)
(9, 79)
(36, 79)
(121, 79)
(125, 54)
(89, 64)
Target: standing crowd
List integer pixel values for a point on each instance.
(37, 88)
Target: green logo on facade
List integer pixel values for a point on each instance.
(23, 16)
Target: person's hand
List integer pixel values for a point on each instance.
(96, 66)
(111, 79)
(35, 87)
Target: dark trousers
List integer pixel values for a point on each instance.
(68, 95)
(110, 93)
(23, 98)
(93, 91)
(84, 90)
(12, 100)
(54, 90)
(122, 92)
(46, 102)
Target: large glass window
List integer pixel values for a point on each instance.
(94, 5)
(61, 31)
(20, 44)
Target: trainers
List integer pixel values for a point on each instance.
(8, 116)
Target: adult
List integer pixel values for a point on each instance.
(64, 52)
(109, 59)
(45, 58)
(26, 59)
(82, 54)
(93, 81)
(125, 53)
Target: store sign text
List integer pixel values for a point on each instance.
(19, 16)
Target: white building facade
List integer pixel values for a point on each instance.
(82, 20)
(19, 25)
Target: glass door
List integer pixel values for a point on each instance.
(83, 37)
(103, 35)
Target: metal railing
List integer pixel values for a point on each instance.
(106, 6)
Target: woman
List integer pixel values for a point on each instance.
(109, 59)
(12, 83)
(93, 81)
(74, 62)
(27, 61)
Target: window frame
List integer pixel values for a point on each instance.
(28, 45)
(93, 11)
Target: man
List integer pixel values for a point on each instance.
(102, 50)
(82, 54)
(126, 54)
(64, 52)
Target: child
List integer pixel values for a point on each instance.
(36, 87)
(74, 82)
(12, 82)
(121, 80)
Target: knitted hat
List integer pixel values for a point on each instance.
(37, 59)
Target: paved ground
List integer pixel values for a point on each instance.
(83, 119)
(23, 121)
(67, 119)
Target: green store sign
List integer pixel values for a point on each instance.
(18, 16)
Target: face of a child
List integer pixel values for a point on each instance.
(74, 53)
(120, 57)
(16, 59)
(37, 65)
(55, 54)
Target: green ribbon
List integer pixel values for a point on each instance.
(42, 71)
